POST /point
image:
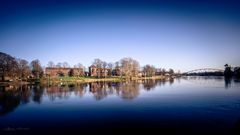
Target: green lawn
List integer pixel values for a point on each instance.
(80, 79)
(68, 79)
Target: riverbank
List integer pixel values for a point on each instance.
(76, 80)
(7, 83)
(95, 79)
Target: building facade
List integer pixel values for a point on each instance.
(55, 71)
(99, 72)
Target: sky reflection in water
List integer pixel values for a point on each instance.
(194, 103)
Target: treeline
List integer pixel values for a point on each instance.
(126, 67)
(19, 68)
(231, 71)
(16, 68)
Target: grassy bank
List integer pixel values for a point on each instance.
(68, 79)
(75, 80)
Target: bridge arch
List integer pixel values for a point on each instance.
(204, 70)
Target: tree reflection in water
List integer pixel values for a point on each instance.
(229, 81)
(99, 90)
(149, 84)
(37, 93)
(129, 90)
(13, 96)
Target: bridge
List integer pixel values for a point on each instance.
(204, 71)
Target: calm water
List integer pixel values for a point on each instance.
(184, 105)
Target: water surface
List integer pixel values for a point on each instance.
(184, 105)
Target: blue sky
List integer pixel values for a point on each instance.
(180, 35)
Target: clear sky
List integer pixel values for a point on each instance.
(180, 35)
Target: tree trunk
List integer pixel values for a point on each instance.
(3, 78)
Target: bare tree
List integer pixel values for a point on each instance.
(129, 67)
(99, 65)
(23, 68)
(163, 72)
(59, 65)
(80, 69)
(117, 64)
(149, 70)
(104, 65)
(51, 64)
(171, 71)
(80, 65)
(135, 67)
(65, 65)
(117, 69)
(8, 65)
(36, 68)
(110, 66)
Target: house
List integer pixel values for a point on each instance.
(98, 72)
(60, 71)
(93, 70)
(158, 71)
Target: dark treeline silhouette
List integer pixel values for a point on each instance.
(231, 71)
(231, 74)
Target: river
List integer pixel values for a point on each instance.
(186, 105)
